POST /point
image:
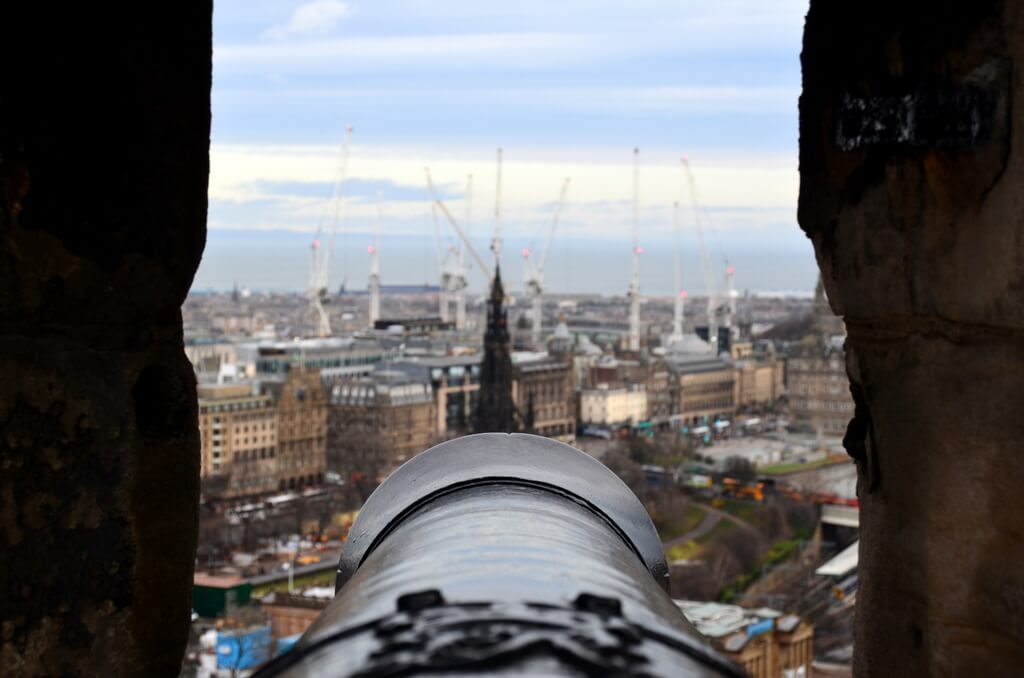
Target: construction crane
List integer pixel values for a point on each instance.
(534, 275)
(320, 258)
(680, 294)
(374, 282)
(708, 280)
(442, 259)
(634, 281)
(458, 229)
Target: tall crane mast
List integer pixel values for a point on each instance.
(534, 275)
(442, 263)
(708, 279)
(374, 282)
(634, 282)
(320, 258)
(730, 309)
(677, 318)
(460, 280)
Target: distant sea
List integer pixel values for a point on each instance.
(280, 261)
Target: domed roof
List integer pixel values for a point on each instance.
(690, 344)
(584, 346)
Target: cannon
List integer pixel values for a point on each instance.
(498, 554)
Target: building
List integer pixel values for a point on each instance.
(344, 355)
(543, 393)
(218, 595)
(610, 408)
(455, 383)
(238, 428)
(376, 423)
(292, 613)
(422, 325)
(760, 382)
(661, 387)
(705, 383)
(765, 642)
(301, 403)
(819, 390)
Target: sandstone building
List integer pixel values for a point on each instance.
(759, 382)
(613, 407)
(301, 403)
(705, 383)
(819, 391)
(238, 433)
(818, 388)
(542, 390)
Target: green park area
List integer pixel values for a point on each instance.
(794, 467)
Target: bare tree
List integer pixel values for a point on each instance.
(359, 453)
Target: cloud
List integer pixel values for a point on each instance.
(317, 18)
(601, 178)
(361, 190)
(460, 52)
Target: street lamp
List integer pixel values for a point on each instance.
(290, 567)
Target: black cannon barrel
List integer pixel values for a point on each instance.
(499, 554)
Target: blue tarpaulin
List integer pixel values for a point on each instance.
(244, 649)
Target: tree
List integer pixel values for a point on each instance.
(771, 521)
(214, 538)
(359, 453)
(741, 469)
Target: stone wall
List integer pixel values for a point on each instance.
(911, 165)
(104, 137)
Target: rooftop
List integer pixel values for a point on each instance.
(718, 620)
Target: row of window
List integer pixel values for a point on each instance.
(233, 407)
(254, 454)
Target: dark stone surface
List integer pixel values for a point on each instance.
(918, 236)
(104, 139)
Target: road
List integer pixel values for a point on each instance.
(712, 516)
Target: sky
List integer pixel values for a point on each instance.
(566, 88)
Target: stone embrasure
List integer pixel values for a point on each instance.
(104, 138)
(915, 221)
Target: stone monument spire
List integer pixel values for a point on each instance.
(495, 410)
